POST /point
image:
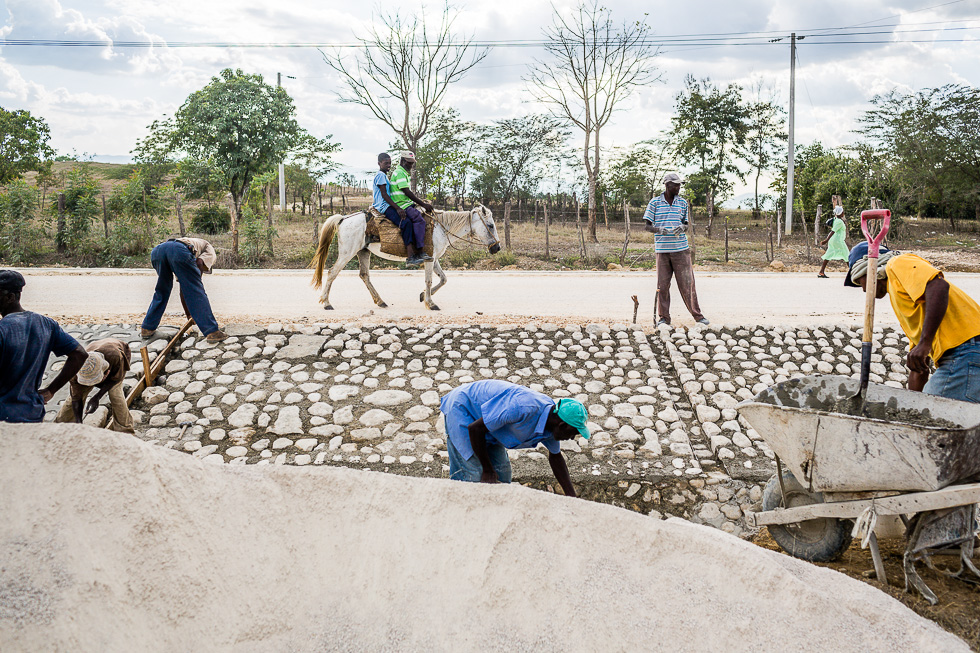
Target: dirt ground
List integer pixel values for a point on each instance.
(958, 610)
(747, 240)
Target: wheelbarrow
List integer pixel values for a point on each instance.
(905, 454)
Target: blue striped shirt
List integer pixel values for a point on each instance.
(665, 215)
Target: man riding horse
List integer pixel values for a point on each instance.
(396, 201)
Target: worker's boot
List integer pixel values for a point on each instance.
(216, 336)
(146, 333)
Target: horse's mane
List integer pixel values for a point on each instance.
(454, 221)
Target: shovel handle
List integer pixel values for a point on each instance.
(874, 242)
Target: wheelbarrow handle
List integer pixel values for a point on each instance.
(874, 242)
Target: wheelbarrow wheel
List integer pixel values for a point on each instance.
(816, 540)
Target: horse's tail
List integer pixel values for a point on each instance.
(327, 232)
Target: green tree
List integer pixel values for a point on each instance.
(137, 219)
(765, 137)
(198, 179)
(238, 123)
(445, 156)
(514, 154)
(20, 236)
(82, 208)
(634, 173)
(23, 144)
(932, 140)
(710, 125)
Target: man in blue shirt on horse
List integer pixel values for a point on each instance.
(412, 226)
(485, 418)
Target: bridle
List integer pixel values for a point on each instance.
(473, 241)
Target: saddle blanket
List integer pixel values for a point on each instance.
(380, 229)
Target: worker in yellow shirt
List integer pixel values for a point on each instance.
(941, 321)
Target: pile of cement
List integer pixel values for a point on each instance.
(110, 544)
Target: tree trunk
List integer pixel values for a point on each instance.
(235, 204)
(779, 228)
(180, 216)
(105, 219)
(507, 225)
(605, 211)
(690, 232)
(626, 237)
(710, 205)
(547, 250)
(816, 226)
(61, 222)
(268, 196)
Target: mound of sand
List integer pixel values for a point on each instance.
(110, 544)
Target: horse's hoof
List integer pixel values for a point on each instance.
(421, 296)
(433, 307)
(382, 305)
(328, 307)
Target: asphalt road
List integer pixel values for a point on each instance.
(263, 296)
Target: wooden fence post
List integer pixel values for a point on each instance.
(779, 228)
(507, 224)
(180, 216)
(690, 233)
(726, 239)
(816, 225)
(626, 238)
(105, 218)
(547, 249)
(234, 230)
(61, 222)
(578, 225)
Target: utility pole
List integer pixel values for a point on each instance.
(790, 171)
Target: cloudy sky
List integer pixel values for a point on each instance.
(100, 100)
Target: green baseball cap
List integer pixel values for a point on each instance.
(573, 413)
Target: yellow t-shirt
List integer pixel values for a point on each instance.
(908, 275)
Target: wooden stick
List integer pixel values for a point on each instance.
(145, 355)
(157, 364)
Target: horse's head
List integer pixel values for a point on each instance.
(482, 225)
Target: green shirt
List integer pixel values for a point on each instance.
(400, 180)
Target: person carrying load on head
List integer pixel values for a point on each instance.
(188, 259)
(26, 341)
(486, 418)
(105, 368)
(837, 250)
(941, 321)
(406, 203)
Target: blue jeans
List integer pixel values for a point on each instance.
(470, 469)
(957, 375)
(173, 259)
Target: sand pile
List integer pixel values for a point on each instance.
(110, 544)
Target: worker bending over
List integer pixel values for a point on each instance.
(485, 418)
(188, 259)
(105, 368)
(941, 321)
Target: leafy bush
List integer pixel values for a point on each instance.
(137, 220)
(505, 257)
(20, 236)
(256, 235)
(82, 207)
(211, 220)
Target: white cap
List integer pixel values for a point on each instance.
(408, 156)
(93, 370)
(673, 177)
(838, 210)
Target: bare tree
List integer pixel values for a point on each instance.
(593, 65)
(402, 70)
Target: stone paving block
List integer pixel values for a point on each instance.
(301, 346)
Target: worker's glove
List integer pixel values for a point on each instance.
(93, 405)
(674, 231)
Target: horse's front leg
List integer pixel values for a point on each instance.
(427, 296)
(442, 276)
(364, 260)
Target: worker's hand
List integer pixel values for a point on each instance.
(489, 477)
(918, 358)
(93, 403)
(401, 213)
(428, 207)
(46, 395)
(202, 266)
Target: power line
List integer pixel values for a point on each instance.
(721, 38)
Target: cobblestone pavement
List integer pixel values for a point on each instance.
(667, 437)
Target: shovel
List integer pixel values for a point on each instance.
(874, 244)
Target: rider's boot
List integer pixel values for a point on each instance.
(413, 260)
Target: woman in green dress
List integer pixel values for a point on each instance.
(837, 250)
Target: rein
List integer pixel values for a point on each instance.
(467, 239)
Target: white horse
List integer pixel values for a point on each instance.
(475, 226)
